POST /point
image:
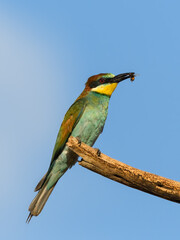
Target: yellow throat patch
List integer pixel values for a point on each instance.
(106, 89)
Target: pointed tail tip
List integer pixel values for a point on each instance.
(29, 218)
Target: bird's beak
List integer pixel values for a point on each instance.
(123, 76)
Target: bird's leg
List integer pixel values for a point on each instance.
(79, 141)
(98, 152)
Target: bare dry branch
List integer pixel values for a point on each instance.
(122, 173)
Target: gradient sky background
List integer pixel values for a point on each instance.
(48, 49)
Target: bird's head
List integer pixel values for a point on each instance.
(105, 83)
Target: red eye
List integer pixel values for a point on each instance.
(101, 80)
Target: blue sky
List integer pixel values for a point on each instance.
(48, 49)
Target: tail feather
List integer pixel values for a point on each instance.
(40, 183)
(45, 188)
(39, 201)
(29, 218)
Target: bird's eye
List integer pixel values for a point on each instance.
(102, 80)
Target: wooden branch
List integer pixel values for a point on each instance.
(122, 173)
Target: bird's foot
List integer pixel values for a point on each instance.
(79, 141)
(98, 152)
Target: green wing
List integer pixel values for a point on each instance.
(70, 120)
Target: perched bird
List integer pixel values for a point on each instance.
(85, 120)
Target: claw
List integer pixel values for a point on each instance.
(79, 141)
(81, 160)
(98, 152)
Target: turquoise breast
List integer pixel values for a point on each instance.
(93, 119)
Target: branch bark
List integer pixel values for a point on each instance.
(125, 174)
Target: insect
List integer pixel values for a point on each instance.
(133, 77)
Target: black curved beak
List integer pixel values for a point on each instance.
(123, 76)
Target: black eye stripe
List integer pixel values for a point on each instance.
(99, 82)
(94, 84)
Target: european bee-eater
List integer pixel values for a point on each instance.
(85, 120)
